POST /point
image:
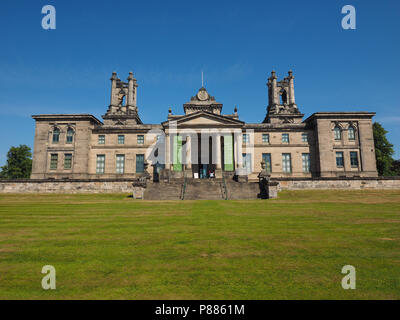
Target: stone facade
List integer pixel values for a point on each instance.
(203, 142)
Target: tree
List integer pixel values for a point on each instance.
(19, 163)
(396, 168)
(383, 151)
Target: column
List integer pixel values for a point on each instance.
(188, 152)
(238, 149)
(167, 152)
(218, 151)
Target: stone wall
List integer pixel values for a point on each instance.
(125, 185)
(339, 183)
(66, 186)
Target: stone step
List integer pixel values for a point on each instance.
(242, 190)
(163, 191)
(203, 190)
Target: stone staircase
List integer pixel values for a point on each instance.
(242, 190)
(204, 189)
(163, 190)
(201, 189)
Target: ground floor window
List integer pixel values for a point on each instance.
(68, 161)
(339, 160)
(53, 161)
(267, 160)
(354, 159)
(306, 162)
(139, 163)
(246, 160)
(120, 163)
(100, 163)
(286, 163)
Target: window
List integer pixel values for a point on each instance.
(246, 138)
(352, 133)
(53, 161)
(354, 159)
(139, 163)
(68, 161)
(70, 135)
(265, 138)
(306, 162)
(100, 163)
(120, 163)
(56, 135)
(121, 139)
(339, 160)
(304, 137)
(285, 137)
(102, 139)
(267, 159)
(140, 139)
(286, 163)
(337, 133)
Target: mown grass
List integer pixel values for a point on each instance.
(112, 247)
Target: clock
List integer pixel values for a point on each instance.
(202, 95)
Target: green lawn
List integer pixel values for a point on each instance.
(113, 247)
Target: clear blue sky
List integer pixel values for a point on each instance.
(168, 43)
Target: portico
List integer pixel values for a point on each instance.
(203, 144)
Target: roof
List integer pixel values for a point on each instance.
(60, 117)
(328, 115)
(227, 120)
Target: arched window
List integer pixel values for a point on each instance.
(337, 133)
(352, 133)
(283, 97)
(56, 135)
(70, 135)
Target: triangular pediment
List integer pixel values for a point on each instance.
(203, 118)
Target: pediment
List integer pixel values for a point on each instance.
(208, 119)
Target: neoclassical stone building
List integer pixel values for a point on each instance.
(203, 142)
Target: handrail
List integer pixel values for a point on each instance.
(225, 189)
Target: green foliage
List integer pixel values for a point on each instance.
(383, 151)
(396, 168)
(19, 163)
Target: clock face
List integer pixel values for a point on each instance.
(202, 95)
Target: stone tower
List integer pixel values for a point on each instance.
(282, 106)
(123, 106)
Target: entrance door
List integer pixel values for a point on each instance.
(247, 162)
